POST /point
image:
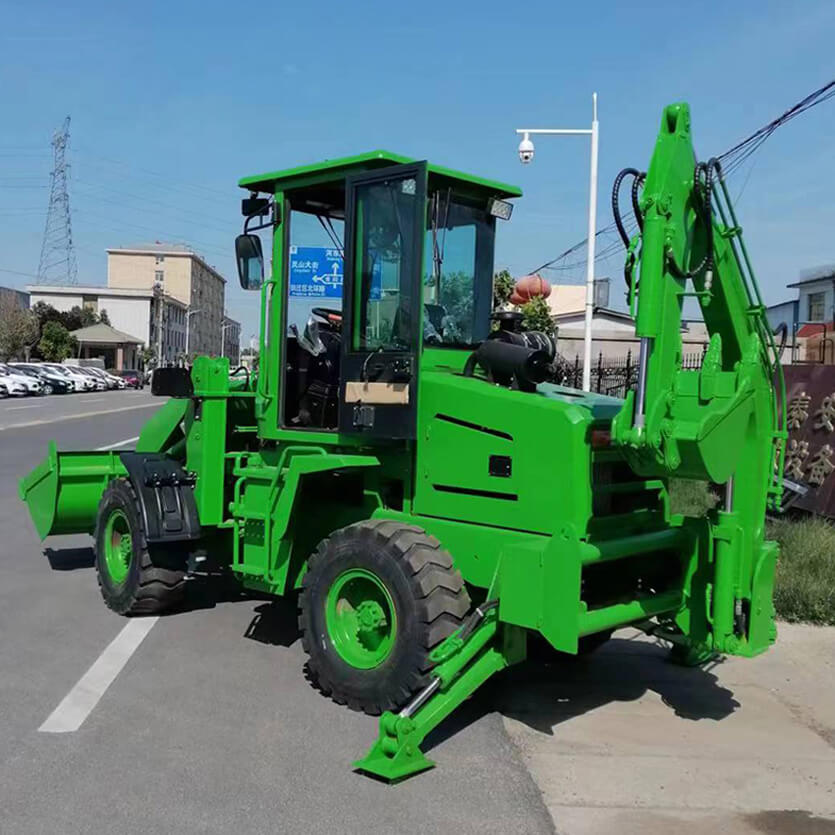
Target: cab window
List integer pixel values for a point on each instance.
(457, 272)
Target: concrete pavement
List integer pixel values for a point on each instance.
(626, 742)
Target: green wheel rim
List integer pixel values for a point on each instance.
(118, 547)
(360, 618)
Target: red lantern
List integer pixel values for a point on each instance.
(529, 287)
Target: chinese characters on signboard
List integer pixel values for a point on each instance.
(810, 420)
(316, 272)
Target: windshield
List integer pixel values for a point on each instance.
(457, 266)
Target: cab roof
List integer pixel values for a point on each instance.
(336, 169)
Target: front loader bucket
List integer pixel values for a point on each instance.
(63, 491)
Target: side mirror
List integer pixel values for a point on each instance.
(250, 260)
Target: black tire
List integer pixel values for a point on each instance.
(429, 598)
(155, 578)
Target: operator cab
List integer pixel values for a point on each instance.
(376, 258)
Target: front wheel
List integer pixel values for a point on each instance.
(134, 578)
(377, 597)
(47, 389)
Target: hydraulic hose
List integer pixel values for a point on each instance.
(639, 177)
(783, 329)
(637, 182)
(704, 190)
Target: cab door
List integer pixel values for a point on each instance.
(382, 308)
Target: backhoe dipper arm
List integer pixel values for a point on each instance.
(724, 418)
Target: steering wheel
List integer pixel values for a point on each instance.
(333, 316)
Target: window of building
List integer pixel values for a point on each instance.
(817, 303)
(159, 276)
(160, 259)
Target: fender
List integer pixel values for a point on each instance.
(166, 496)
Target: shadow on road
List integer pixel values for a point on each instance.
(275, 622)
(69, 559)
(546, 692)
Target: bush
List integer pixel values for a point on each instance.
(692, 498)
(805, 586)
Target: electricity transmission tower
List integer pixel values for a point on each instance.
(57, 264)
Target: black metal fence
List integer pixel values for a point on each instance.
(613, 376)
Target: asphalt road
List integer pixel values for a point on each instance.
(211, 725)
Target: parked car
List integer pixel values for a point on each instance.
(51, 381)
(109, 380)
(133, 379)
(4, 392)
(31, 385)
(81, 381)
(98, 383)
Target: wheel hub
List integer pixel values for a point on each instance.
(118, 547)
(360, 618)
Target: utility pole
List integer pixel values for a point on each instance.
(158, 293)
(57, 263)
(189, 314)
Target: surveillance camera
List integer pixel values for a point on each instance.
(526, 150)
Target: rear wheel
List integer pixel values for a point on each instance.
(378, 596)
(134, 578)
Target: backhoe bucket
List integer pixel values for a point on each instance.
(64, 490)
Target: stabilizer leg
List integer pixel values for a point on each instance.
(465, 661)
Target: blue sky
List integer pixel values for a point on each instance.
(172, 102)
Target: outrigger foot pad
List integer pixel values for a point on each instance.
(396, 753)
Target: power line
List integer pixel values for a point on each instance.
(57, 263)
(734, 157)
(731, 160)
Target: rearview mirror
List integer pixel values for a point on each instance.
(250, 260)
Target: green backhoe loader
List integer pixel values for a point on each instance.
(401, 461)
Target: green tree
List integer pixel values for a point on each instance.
(148, 357)
(104, 318)
(18, 328)
(72, 319)
(86, 316)
(57, 343)
(503, 284)
(537, 316)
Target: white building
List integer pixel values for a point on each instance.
(810, 317)
(131, 311)
(183, 275)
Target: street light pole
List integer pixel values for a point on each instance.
(223, 329)
(590, 254)
(526, 153)
(189, 314)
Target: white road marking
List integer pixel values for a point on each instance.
(18, 408)
(77, 705)
(82, 415)
(95, 400)
(117, 444)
